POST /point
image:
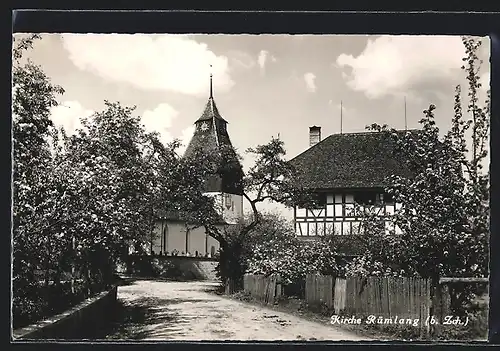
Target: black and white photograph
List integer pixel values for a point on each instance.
(223, 187)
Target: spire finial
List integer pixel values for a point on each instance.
(211, 89)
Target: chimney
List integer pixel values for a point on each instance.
(314, 135)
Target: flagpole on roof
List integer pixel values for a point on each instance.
(406, 123)
(340, 116)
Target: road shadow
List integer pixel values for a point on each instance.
(137, 277)
(147, 318)
(216, 288)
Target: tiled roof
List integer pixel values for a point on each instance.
(210, 112)
(211, 137)
(351, 160)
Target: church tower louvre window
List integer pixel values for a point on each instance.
(211, 136)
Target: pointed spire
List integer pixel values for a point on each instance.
(211, 89)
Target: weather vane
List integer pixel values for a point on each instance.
(211, 90)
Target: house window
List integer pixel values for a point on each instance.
(388, 198)
(319, 200)
(365, 198)
(165, 238)
(381, 198)
(228, 201)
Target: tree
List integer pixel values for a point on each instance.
(275, 249)
(81, 200)
(123, 176)
(33, 97)
(444, 211)
(270, 178)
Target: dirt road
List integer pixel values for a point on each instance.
(154, 310)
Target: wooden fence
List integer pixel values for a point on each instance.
(230, 286)
(396, 300)
(265, 289)
(387, 297)
(339, 294)
(319, 289)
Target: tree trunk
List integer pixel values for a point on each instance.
(230, 265)
(88, 281)
(73, 256)
(47, 264)
(46, 292)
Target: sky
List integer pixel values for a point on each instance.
(264, 85)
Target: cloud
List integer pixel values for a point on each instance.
(263, 58)
(310, 84)
(185, 137)
(160, 120)
(68, 114)
(241, 59)
(392, 65)
(150, 62)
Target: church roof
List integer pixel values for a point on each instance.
(211, 136)
(351, 160)
(211, 112)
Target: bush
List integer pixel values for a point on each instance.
(476, 328)
(43, 302)
(26, 310)
(293, 259)
(165, 269)
(157, 267)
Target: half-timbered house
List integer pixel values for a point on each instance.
(348, 174)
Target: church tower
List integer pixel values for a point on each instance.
(226, 186)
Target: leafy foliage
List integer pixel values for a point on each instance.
(268, 179)
(81, 201)
(275, 249)
(33, 96)
(444, 214)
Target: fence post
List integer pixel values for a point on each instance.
(306, 292)
(278, 286)
(428, 305)
(436, 308)
(228, 286)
